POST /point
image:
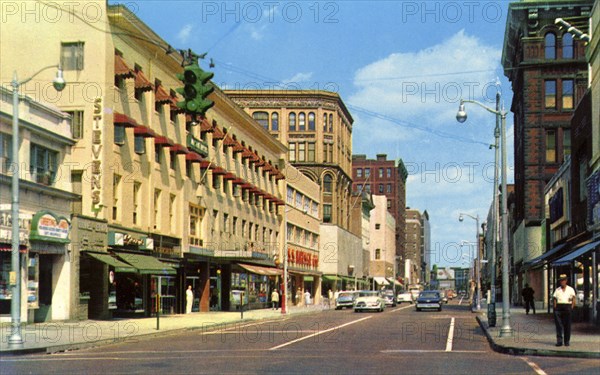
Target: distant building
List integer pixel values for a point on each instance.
(382, 242)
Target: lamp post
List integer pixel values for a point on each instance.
(477, 267)
(15, 339)
(461, 116)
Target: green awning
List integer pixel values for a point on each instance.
(330, 278)
(117, 264)
(147, 265)
(309, 278)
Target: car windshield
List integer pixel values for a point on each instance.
(429, 295)
(368, 293)
(346, 295)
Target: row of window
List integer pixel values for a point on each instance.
(367, 172)
(296, 122)
(43, 162)
(302, 202)
(302, 237)
(551, 47)
(306, 151)
(551, 89)
(381, 188)
(552, 144)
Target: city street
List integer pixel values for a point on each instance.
(399, 340)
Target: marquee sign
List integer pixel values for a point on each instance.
(97, 158)
(45, 226)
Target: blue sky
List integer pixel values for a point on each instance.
(408, 62)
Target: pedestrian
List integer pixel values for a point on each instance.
(275, 299)
(527, 294)
(330, 296)
(299, 297)
(189, 299)
(563, 300)
(307, 297)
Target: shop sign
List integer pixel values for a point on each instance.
(125, 239)
(45, 226)
(303, 258)
(6, 225)
(90, 234)
(593, 199)
(197, 145)
(97, 157)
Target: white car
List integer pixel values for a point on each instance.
(369, 300)
(404, 297)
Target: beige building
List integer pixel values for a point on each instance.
(383, 242)
(48, 269)
(177, 203)
(414, 245)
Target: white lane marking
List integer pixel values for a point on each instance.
(319, 333)
(534, 366)
(429, 351)
(450, 336)
(402, 308)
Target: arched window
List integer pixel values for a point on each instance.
(275, 121)
(301, 121)
(327, 183)
(550, 46)
(325, 122)
(567, 46)
(292, 122)
(330, 123)
(262, 118)
(311, 121)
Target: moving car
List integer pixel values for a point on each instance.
(369, 300)
(404, 297)
(389, 297)
(345, 299)
(429, 299)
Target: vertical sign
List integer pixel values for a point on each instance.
(97, 159)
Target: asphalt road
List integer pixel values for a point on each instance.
(397, 341)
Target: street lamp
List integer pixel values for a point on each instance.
(461, 116)
(15, 339)
(477, 267)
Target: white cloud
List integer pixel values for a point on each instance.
(184, 34)
(299, 78)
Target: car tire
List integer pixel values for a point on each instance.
(418, 309)
(440, 309)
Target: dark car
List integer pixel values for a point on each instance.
(389, 298)
(345, 299)
(429, 299)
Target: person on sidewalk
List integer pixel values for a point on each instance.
(330, 297)
(563, 300)
(307, 297)
(527, 294)
(275, 299)
(189, 299)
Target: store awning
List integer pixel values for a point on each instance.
(330, 278)
(260, 270)
(540, 260)
(381, 280)
(394, 281)
(147, 265)
(567, 259)
(117, 264)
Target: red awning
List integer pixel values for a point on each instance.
(121, 68)
(218, 133)
(205, 164)
(163, 141)
(193, 157)
(229, 176)
(267, 167)
(143, 131)
(179, 149)
(8, 247)
(141, 82)
(247, 186)
(247, 154)
(228, 141)
(161, 95)
(261, 270)
(124, 120)
(238, 181)
(238, 147)
(205, 126)
(218, 170)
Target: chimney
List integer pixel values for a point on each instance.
(381, 157)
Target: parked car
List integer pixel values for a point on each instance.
(429, 299)
(443, 296)
(390, 299)
(404, 297)
(345, 299)
(369, 300)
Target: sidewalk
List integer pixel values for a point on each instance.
(535, 334)
(55, 337)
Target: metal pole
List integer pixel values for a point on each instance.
(285, 260)
(477, 265)
(506, 329)
(15, 340)
(492, 263)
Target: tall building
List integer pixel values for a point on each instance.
(547, 68)
(316, 127)
(414, 253)
(382, 242)
(384, 177)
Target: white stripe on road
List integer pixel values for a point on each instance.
(402, 308)
(450, 336)
(319, 333)
(534, 366)
(429, 351)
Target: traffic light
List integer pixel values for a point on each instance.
(196, 90)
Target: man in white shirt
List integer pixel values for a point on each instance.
(563, 298)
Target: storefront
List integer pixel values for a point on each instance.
(253, 284)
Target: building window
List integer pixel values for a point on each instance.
(275, 121)
(301, 121)
(43, 164)
(156, 203)
(389, 172)
(234, 225)
(116, 196)
(311, 151)
(567, 46)
(173, 160)
(550, 146)
(389, 204)
(368, 188)
(292, 152)
(76, 124)
(566, 142)
(215, 220)
(216, 182)
(327, 213)
(172, 208)
(290, 195)
(299, 198)
(359, 172)
(311, 121)
(380, 188)
(301, 151)
(292, 122)
(157, 153)
(262, 118)
(325, 122)
(226, 223)
(136, 201)
(330, 153)
(327, 183)
(389, 188)
(367, 172)
(139, 144)
(71, 56)
(550, 90)
(377, 254)
(244, 228)
(5, 152)
(550, 46)
(567, 94)
(377, 226)
(119, 135)
(196, 214)
(330, 123)
(582, 179)
(380, 172)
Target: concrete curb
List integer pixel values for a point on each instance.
(51, 349)
(513, 350)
